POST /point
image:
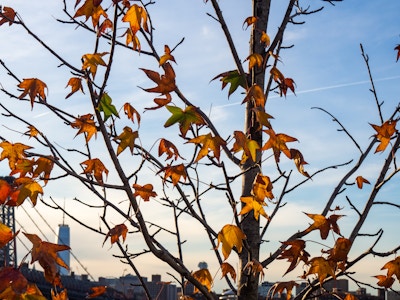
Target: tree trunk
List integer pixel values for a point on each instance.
(248, 284)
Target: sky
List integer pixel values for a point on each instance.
(329, 72)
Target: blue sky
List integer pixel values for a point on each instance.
(325, 63)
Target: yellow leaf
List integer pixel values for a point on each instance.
(256, 206)
(137, 18)
(209, 143)
(92, 61)
(86, 125)
(265, 39)
(226, 269)
(255, 94)
(127, 139)
(204, 277)
(255, 59)
(167, 56)
(230, 236)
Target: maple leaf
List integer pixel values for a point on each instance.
(5, 190)
(13, 280)
(350, 297)
(43, 165)
(360, 181)
(277, 142)
(398, 52)
(253, 204)
(340, 250)
(322, 267)
(294, 254)
(86, 125)
(96, 291)
(168, 148)
(204, 277)
(226, 268)
(175, 172)
(255, 59)
(24, 166)
(299, 161)
(127, 139)
(106, 106)
(90, 10)
(6, 235)
(279, 287)
(106, 24)
(393, 268)
(384, 281)
(262, 117)
(7, 15)
(185, 118)
(62, 295)
(160, 102)
(255, 94)
(262, 188)
(13, 152)
(130, 38)
(32, 132)
(131, 112)
(230, 236)
(76, 85)
(27, 187)
(250, 21)
(167, 56)
(92, 61)
(248, 146)
(34, 87)
(232, 77)
(96, 168)
(209, 143)
(254, 268)
(265, 39)
(118, 231)
(323, 224)
(384, 133)
(145, 191)
(165, 83)
(137, 18)
(277, 75)
(46, 254)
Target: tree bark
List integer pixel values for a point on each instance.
(248, 284)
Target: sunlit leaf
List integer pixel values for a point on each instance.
(322, 268)
(230, 236)
(90, 10)
(116, 232)
(174, 172)
(34, 88)
(106, 106)
(145, 192)
(250, 21)
(131, 112)
(76, 85)
(92, 61)
(209, 143)
(226, 269)
(13, 152)
(253, 204)
(127, 139)
(86, 125)
(204, 277)
(137, 18)
(360, 181)
(96, 291)
(96, 168)
(384, 134)
(185, 118)
(294, 254)
(167, 56)
(277, 142)
(168, 148)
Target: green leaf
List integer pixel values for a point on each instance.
(185, 118)
(232, 77)
(107, 107)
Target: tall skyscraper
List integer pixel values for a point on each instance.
(63, 238)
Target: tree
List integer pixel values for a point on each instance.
(129, 173)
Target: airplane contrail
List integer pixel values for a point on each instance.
(331, 87)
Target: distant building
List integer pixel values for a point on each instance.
(202, 265)
(63, 238)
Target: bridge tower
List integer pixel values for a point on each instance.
(8, 254)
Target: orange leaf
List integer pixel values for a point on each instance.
(255, 267)
(5, 190)
(76, 84)
(230, 236)
(118, 231)
(209, 143)
(46, 254)
(14, 280)
(323, 224)
(255, 94)
(130, 38)
(340, 250)
(92, 61)
(32, 132)
(127, 139)
(226, 269)
(277, 142)
(253, 204)
(393, 268)
(384, 281)
(204, 277)
(137, 18)
(107, 24)
(360, 181)
(165, 83)
(279, 287)
(27, 187)
(265, 39)
(96, 291)
(86, 125)
(145, 191)
(96, 168)
(43, 165)
(13, 152)
(299, 161)
(262, 188)
(7, 15)
(160, 102)
(167, 56)
(384, 133)
(255, 59)
(248, 146)
(62, 295)
(168, 148)
(175, 172)
(249, 21)
(35, 88)
(294, 254)
(322, 268)
(90, 10)
(131, 112)
(6, 235)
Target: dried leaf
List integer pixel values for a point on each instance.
(35, 88)
(115, 233)
(145, 192)
(230, 236)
